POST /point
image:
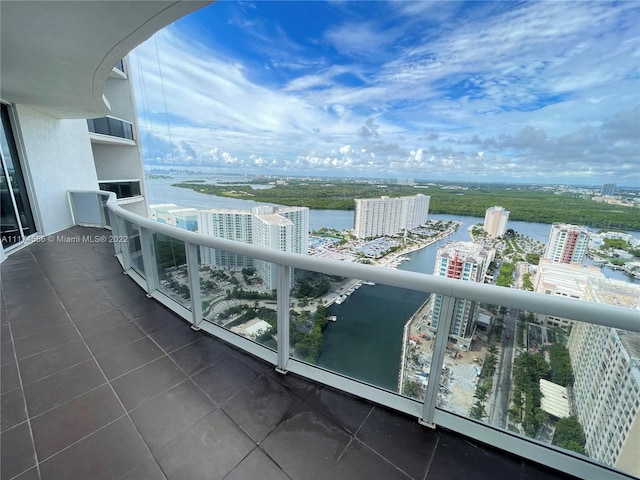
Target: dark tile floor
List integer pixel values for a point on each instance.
(99, 381)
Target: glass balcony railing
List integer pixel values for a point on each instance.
(120, 65)
(122, 188)
(112, 127)
(477, 359)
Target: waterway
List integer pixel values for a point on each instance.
(366, 341)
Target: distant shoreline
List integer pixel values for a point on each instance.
(526, 204)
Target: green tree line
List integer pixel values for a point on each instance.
(525, 204)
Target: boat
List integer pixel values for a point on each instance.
(340, 299)
(332, 318)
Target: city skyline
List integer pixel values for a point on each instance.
(483, 91)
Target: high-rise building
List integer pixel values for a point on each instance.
(564, 279)
(606, 369)
(115, 143)
(464, 261)
(407, 182)
(567, 243)
(285, 229)
(608, 190)
(389, 216)
(282, 228)
(230, 224)
(495, 221)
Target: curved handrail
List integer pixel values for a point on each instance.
(427, 411)
(570, 308)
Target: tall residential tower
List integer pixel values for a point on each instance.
(283, 228)
(606, 389)
(495, 221)
(375, 217)
(567, 243)
(464, 261)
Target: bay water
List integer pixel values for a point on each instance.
(366, 340)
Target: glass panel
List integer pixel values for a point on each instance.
(135, 248)
(86, 208)
(239, 293)
(9, 227)
(125, 189)
(351, 327)
(99, 125)
(111, 126)
(105, 211)
(16, 217)
(127, 130)
(171, 261)
(571, 384)
(477, 363)
(116, 128)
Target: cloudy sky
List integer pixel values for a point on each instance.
(482, 91)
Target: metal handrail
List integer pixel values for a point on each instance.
(427, 412)
(570, 308)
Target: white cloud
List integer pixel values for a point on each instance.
(514, 88)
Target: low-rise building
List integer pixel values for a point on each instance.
(564, 279)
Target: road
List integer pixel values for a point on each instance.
(502, 381)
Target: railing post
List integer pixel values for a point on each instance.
(149, 260)
(193, 270)
(72, 204)
(124, 243)
(115, 231)
(437, 360)
(284, 286)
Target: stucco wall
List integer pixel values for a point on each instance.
(58, 157)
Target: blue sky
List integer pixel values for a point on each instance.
(541, 92)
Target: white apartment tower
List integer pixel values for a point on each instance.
(567, 243)
(606, 369)
(464, 261)
(230, 224)
(495, 221)
(282, 228)
(375, 217)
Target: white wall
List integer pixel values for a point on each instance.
(58, 157)
(118, 92)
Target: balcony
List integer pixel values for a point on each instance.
(117, 386)
(101, 381)
(111, 130)
(122, 188)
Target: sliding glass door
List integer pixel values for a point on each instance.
(16, 219)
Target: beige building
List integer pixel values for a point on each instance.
(495, 221)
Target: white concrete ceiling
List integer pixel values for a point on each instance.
(57, 55)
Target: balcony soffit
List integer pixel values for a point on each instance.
(57, 55)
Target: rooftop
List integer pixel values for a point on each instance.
(99, 381)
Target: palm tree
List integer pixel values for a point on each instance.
(481, 393)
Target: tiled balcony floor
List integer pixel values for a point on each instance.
(99, 381)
